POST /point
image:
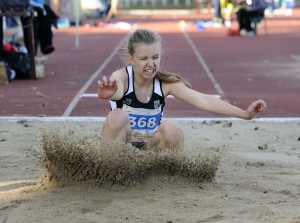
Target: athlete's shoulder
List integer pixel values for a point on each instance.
(168, 88)
(120, 74)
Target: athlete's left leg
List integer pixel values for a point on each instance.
(168, 136)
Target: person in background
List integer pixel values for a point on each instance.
(113, 10)
(41, 2)
(227, 7)
(270, 7)
(247, 11)
(103, 13)
(137, 94)
(218, 18)
(44, 18)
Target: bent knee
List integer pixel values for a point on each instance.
(171, 132)
(170, 128)
(117, 118)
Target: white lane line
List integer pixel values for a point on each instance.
(102, 119)
(201, 60)
(93, 95)
(91, 80)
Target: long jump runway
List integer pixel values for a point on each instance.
(237, 69)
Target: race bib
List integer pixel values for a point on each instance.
(146, 124)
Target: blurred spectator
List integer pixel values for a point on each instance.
(38, 1)
(113, 11)
(270, 7)
(249, 10)
(105, 10)
(285, 7)
(227, 7)
(217, 14)
(96, 7)
(44, 18)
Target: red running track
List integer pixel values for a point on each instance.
(239, 69)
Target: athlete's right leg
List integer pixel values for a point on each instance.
(116, 126)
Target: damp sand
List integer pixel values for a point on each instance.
(229, 172)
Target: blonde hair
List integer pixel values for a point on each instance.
(145, 36)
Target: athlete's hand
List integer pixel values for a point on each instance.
(107, 87)
(256, 107)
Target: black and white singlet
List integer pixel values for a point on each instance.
(144, 117)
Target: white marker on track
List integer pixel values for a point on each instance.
(92, 95)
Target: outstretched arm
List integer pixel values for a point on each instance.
(111, 88)
(256, 107)
(213, 104)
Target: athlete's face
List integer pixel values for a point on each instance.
(146, 59)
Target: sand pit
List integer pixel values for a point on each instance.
(71, 159)
(229, 172)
